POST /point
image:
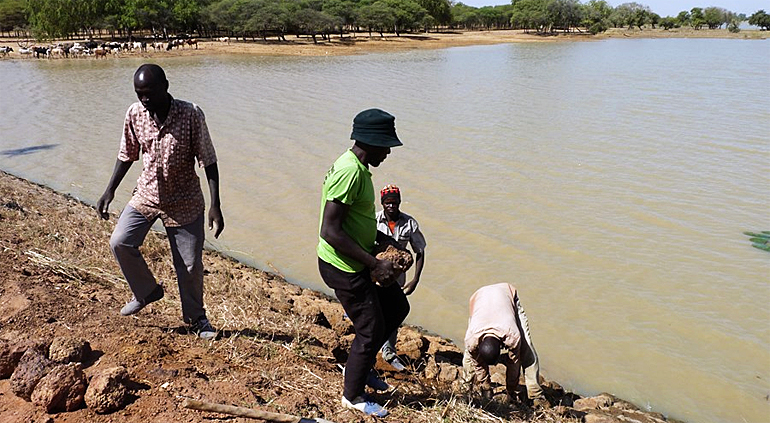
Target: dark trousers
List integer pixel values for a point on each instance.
(375, 312)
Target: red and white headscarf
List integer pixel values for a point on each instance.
(389, 191)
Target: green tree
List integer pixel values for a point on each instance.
(407, 13)
(155, 15)
(13, 16)
(377, 17)
(269, 16)
(564, 14)
(344, 11)
(714, 17)
(186, 15)
(61, 18)
(684, 18)
(489, 17)
(668, 22)
(313, 22)
(464, 16)
(439, 10)
(530, 14)
(697, 20)
(633, 15)
(596, 16)
(760, 19)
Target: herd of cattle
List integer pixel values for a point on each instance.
(95, 49)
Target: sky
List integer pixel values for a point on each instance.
(664, 7)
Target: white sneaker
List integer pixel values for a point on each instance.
(365, 405)
(396, 363)
(203, 329)
(372, 380)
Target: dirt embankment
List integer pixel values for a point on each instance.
(279, 347)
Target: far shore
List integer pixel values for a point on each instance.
(362, 43)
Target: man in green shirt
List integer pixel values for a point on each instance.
(347, 236)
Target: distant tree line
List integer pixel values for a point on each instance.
(596, 16)
(48, 19)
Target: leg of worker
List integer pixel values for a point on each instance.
(469, 369)
(512, 371)
(358, 297)
(128, 236)
(389, 347)
(187, 251)
(395, 308)
(529, 361)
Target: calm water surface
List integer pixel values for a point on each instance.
(609, 181)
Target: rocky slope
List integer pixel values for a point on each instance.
(279, 347)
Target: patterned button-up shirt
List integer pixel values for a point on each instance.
(406, 231)
(168, 187)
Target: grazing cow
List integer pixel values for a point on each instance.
(77, 50)
(158, 45)
(46, 51)
(192, 42)
(175, 43)
(26, 51)
(112, 45)
(5, 50)
(224, 40)
(66, 48)
(100, 52)
(56, 52)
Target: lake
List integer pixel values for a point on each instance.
(609, 181)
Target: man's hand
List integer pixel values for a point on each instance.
(216, 218)
(109, 193)
(383, 272)
(410, 286)
(103, 205)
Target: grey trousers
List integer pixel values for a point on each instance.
(187, 252)
(529, 361)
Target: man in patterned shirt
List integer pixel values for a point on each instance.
(171, 135)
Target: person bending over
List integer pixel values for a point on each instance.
(497, 322)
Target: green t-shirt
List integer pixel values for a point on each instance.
(349, 182)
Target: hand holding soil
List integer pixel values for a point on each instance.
(401, 260)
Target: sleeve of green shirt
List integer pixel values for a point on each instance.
(343, 185)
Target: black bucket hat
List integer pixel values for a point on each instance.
(375, 127)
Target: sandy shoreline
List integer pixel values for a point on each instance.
(361, 43)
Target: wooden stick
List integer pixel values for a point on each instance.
(247, 412)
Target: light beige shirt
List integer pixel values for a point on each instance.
(168, 187)
(492, 312)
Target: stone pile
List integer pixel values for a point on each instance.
(50, 375)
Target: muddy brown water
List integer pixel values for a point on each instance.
(609, 181)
